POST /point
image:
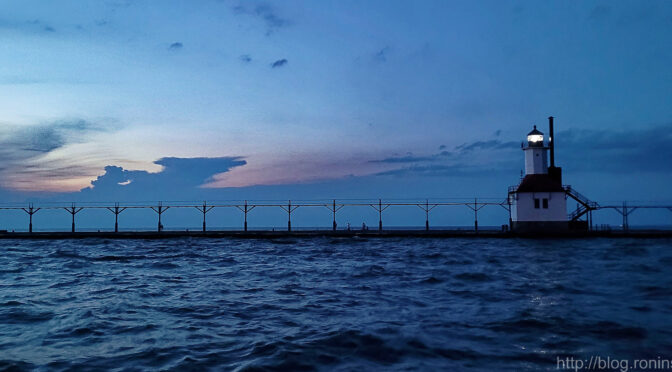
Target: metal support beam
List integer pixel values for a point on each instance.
(73, 211)
(380, 216)
(289, 209)
(31, 211)
(333, 208)
(333, 225)
(508, 208)
(476, 207)
(160, 209)
(475, 215)
(427, 208)
(204, 209)
(379, 208)
(245, 209)
(625, 212)
(116, 210)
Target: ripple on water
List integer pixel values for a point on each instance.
(473, 277)
(22, 314)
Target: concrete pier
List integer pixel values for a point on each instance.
(267, 234)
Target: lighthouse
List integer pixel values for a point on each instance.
(539, 202)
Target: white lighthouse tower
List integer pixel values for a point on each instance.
(539, 202)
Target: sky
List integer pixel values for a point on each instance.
(126, 100)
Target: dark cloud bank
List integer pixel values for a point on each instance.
(179, 179)
(577, 150)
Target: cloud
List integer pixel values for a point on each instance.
(29, 141)
(598, 151)
(40, 25)
(23, 149)
(273, 21)
(486, 145)
(459, 151)
(403, 159)
(434, 170)
(264, 12)
(616, 151)
(35, 26)
(180, 178)
(476, 157)
(382, 55)
(279, 63)
(245, 58)
(175, 46)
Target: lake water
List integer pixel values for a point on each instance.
(332, 304)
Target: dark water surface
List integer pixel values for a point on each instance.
(331, 304)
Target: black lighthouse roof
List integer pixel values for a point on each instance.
(535, 131)
(539, 183)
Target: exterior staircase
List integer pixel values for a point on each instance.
(585, 204)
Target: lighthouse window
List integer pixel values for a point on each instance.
(536, 203)
(545, 203)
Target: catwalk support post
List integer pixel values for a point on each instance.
(116, 210)
(427, 208)
(31, 211)
(333, 208)
(380, 216)
(159, 209)
(245, 208)
(476, 207)
(73, 211)
(379, 208)
(289, 209)
(204, 209)
(625, 211)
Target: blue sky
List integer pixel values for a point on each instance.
(330, 99)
